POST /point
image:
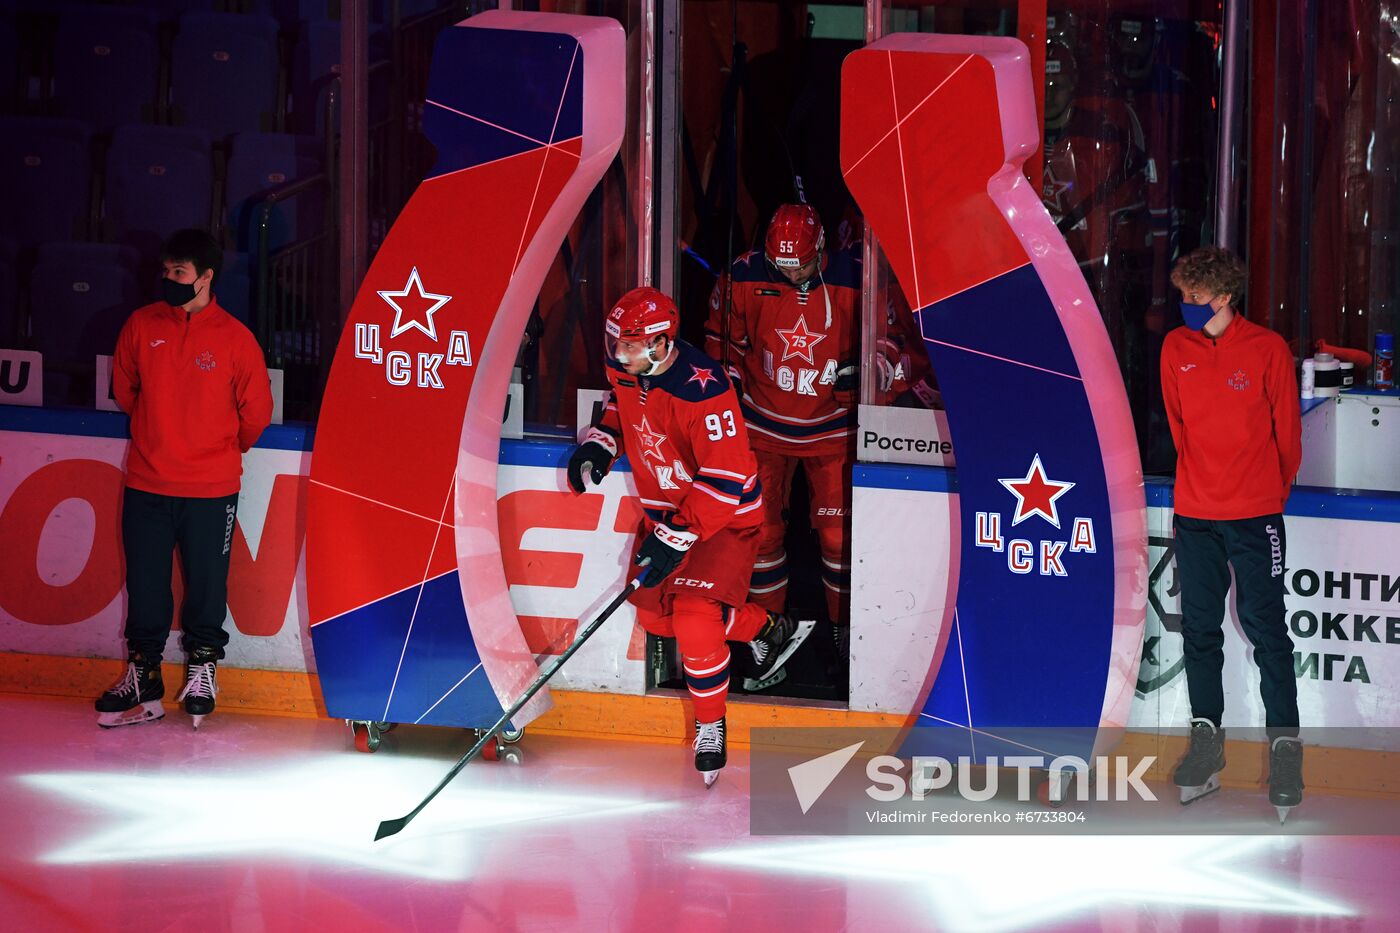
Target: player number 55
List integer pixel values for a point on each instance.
(717, 429)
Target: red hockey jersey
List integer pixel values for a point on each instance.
(685, 439)
(1096, 174)
(786, 346)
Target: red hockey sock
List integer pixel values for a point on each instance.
(704, 655)
(745, 622)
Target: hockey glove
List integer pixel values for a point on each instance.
(885, 372)
(663, 551)
(593, 457)
(927, 394)
(846, 389)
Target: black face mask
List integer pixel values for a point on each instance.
(175, 293)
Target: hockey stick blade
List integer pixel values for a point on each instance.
(390, 827)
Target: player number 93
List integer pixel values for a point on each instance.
(720, 429)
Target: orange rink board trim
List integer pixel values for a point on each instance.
(667, 717)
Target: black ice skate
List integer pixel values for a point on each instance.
(1285, 774)
(200, 685)
(1199, 771)
(780, 638)
(710, 753)
(135, 698)
(841, 649)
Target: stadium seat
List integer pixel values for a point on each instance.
(408, 9)
(159, 180)
(106, 63)
(234, 287)
(80, 295)
(224, 69)
(259, 163)
(45, 179)
(171, 10)
(315, 61)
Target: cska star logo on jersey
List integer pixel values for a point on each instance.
(799, 342)
(651, 440)
(1035, 494)
(1053, 191)
(702, 376)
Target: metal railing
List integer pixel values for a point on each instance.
(296, 308)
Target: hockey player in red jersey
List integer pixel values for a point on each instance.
(792, 321)
(906, 375)
(676, 417)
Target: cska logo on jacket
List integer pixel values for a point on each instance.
(1036, 500)
(799, 342)
(405, 364)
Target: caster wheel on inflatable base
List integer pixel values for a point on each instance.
(366, 736)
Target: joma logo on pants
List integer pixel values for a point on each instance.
(229, 512)
(1275, 551)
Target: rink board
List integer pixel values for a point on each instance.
(61, 588)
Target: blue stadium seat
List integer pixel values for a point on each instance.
(106, 63)
(259, 163)
(292, 12)
(408, 9)
(80, 295)
(229, 24)
(315, 60)
(234, 287)
(159, 180)
(224, 69)
(45, 179)
(173, 9)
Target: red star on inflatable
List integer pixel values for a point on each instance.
(799, 341)
(1035, 493)
(651, 440)
(423, 306)
(702, 376)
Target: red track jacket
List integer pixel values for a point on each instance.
(197, 390)
(1233, 406)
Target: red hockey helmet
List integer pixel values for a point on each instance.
(1134, 44)
(634, 323)
(795, 236)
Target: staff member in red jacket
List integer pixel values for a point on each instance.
(1232, 401)
(193, 380)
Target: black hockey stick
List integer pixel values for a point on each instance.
(389, 827)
